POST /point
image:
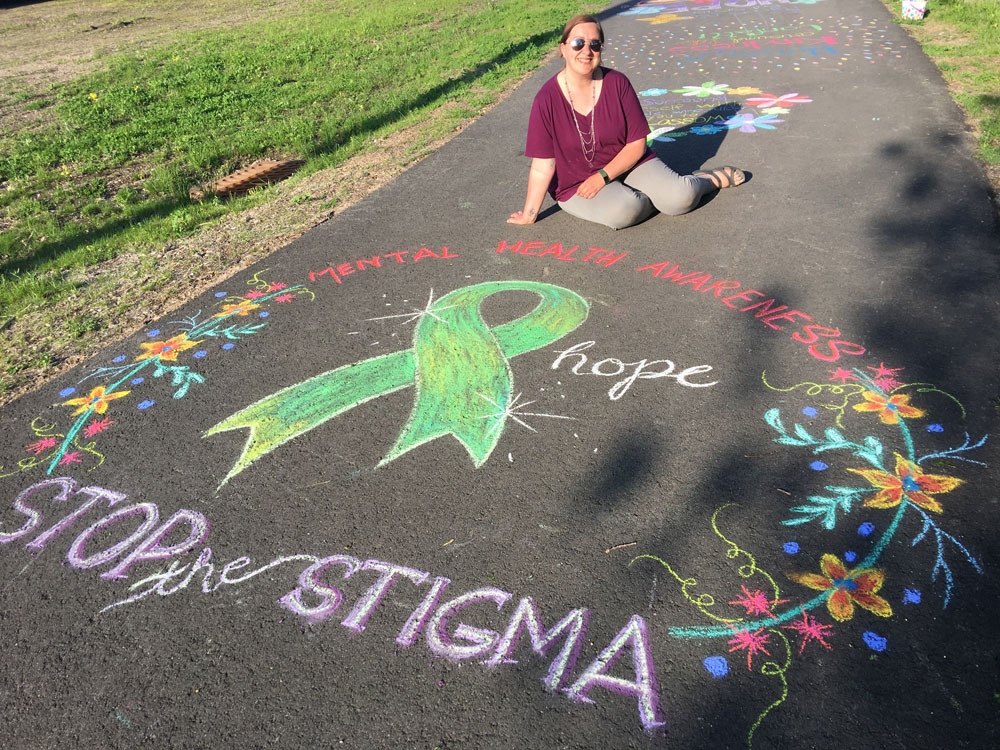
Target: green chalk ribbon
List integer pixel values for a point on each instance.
(458, 364)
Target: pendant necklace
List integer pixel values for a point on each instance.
(588, 142)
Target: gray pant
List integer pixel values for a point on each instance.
(653, 185)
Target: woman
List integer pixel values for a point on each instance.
(587, 143)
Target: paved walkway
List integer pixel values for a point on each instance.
(424, 479)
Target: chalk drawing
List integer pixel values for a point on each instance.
(458, 366)
(651, 10)
(846, 593)
(824, 343)
(642, 370)
(750, 46)
(160, 358)
(315, 600)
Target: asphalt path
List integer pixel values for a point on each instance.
(426, 479)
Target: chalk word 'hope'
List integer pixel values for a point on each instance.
(642, 370)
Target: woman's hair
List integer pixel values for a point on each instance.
(576, 21)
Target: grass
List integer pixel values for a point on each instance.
(104, 165)
(963, 39)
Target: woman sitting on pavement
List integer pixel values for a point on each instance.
(587, 143)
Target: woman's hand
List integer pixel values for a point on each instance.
(591, 186)
(522, 217)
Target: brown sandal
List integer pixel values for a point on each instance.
(723, 177)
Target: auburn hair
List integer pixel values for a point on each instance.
(576, 21)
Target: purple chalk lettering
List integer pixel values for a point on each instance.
(151, 549)
(573, 626)
(75, 554)
(643, 689)
(96, 495)
(364, 607)
(66, 487)
(309, 582)
(411, 630)
(481, 641)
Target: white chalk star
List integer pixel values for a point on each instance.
(513, 411)
(418, 314)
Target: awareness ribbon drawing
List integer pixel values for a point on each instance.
(457, 365)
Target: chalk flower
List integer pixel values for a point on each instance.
(910, 482)
(168, 349)
(770, 100)
(707, 89)
(97, 400)
(243, 308)
(847, 588)
(890, 408)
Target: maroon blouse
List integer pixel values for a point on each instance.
(552, 134)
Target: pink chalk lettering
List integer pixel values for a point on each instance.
(526, 618)
(481, 641)
(358, 617)
(330, 597)
(75, 554)
(609, 259)
(151, 549)
(643, 688)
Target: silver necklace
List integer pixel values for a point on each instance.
(588, 143)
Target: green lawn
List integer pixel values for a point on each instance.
(963, 38)
(110, 167)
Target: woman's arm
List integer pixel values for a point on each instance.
(623, 162)
(538, 182)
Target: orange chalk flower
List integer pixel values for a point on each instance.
(889, 409)
(243, 308)
(847, 587)
(168, 349)
(97, 400)
(909, 482)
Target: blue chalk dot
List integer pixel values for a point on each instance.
(818, 466)
(199, 354)
(791, 548)
(810, 411)
(136, 381)
(717, 666)
(935, 427)
(67, 392)
(154, 332)
(143, 405)
(850, 556)
(119, 358)
(227, 347)
(221, 294)
(866, 529)
(875, 642)
(911, 596)
(264, 314)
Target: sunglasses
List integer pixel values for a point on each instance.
(577, 44)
